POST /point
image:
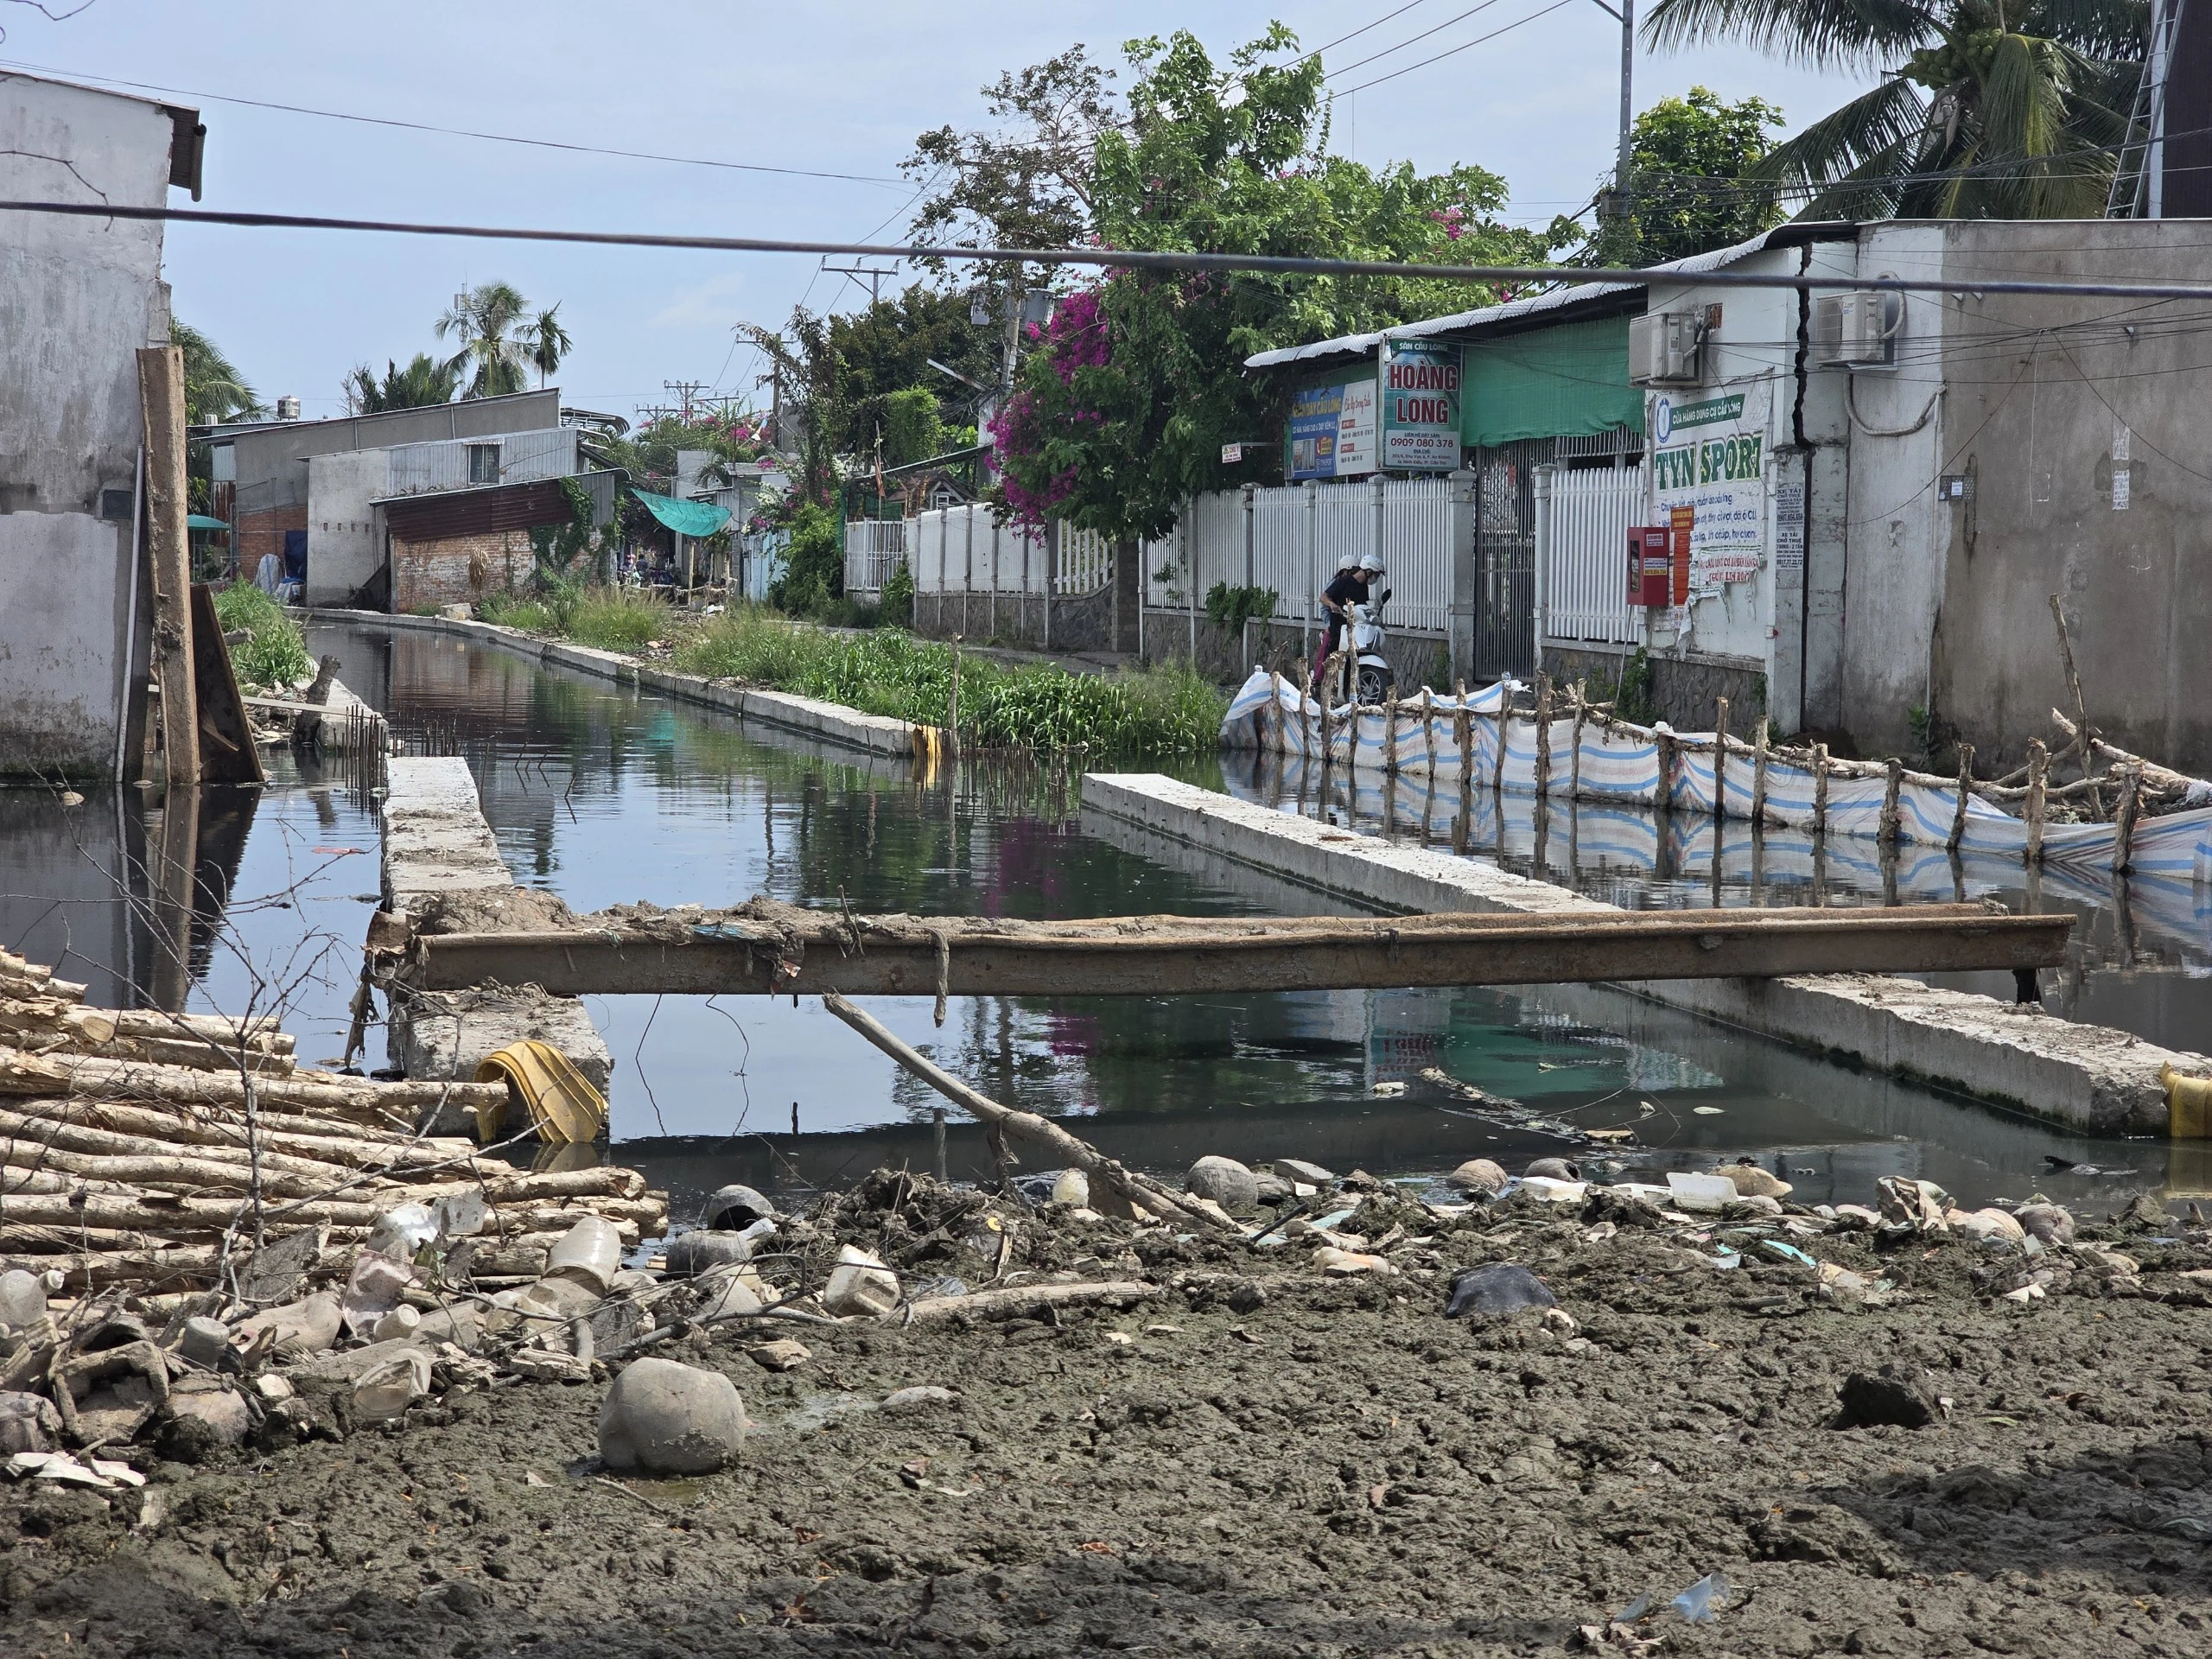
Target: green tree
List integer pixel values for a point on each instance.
(1122, 414)
(425, 381)
(488, 321)
(1687, 159)
(814, 570)
(1986, 109)
(214, 390)
(546, 341)
(884, 350)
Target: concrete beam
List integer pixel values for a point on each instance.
(2088, 1077)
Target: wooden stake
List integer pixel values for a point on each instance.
(1543, 733)
(161, 390)
(1581, 715)
(1761, 754)
(1390, 732)
(2038, 785)
(1820, 789)
(1428, 731)
(2087, 737)
(1966, 790)
(1131, 1187)
(2131, 802)
(1720, 760)
(1505, 719)
(952, 704)
(1892, 788)
(1462, 734)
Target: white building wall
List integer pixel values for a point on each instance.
(78, 297)
(345, 544)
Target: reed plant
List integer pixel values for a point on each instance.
(275, 651)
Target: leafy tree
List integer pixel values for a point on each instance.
(648, 455)
(214, 390)
(546, 341)
(1687, 160)
(1986, 109)
(884, 350)
(814, 570)
(1121, 413)
(423, 383)
(494, 352)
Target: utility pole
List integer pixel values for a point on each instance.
(875, 274)
(685, 391)
(1617, 208)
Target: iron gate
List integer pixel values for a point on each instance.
(1505, 558)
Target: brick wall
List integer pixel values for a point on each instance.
(263, 531)
(458, 570)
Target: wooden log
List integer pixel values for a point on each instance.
(2038, 783)
(114, 1143)
(1761, 751)
(82, 1270)
(178, 1129)
(161, 390)
(1966, 795)
(168, 1171)
(1104, 1173)
(1720, 765)
(2131, 804)
(1543, 778)
(64, 1074)
(44, 1024)
(2083, 734)
(2164, 780)
(1019, 1301)
(1892, 822)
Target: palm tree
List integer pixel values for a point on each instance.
(546, 341)
(425, 381)
(484, 320)
(214, 390)
(1988, 108)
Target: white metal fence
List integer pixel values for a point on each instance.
(1582, 524)
(966, 549)
(873, 549)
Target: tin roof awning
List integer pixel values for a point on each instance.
(684, 517)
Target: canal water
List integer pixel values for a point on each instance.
(606, 795)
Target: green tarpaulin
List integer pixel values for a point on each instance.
(201, 521)
(1566, 382)
(686, 518)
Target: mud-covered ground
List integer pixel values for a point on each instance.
(1337, 1470)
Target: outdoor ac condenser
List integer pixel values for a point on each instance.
(1662, 348)
(1858, 330)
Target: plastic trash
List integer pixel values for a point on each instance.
(735, 1207)
(402, 1321)
(1709, 1194)
(1501, 1287)
(590, 1253)
(1071, 1186)
(1547, 1189)
(859, 1284)
(388, 1388)
(1790, 1252)
(403, 1231)
(1697, 1604)
(373, 1289)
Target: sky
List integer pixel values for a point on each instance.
(835, 88)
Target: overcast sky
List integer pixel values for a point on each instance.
(835, 88)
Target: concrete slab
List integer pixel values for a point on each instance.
(2086, 1076)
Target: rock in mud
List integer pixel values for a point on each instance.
(1895, 1394)
(1227, 1182)
(1478, 1175)
(1553, 1169)
(2048, 1223)
(920, 1398)
(781, 1355)
(203, 1422)
(1752, 1182)
(1297, 1169)
(666, 1419)
(690, 1254)
(1500, 1289)
(2146, 1214)
(23, 1298)
(29, 1422)
(733, 1208)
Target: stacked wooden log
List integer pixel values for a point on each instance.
(154, 1149)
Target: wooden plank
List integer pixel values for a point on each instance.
(231, 755)
(1155, 956)
(161, 390)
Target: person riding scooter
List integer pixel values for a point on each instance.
(1351, 587)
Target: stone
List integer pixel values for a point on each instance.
(1752, 1182)
(735, 1207)
(274, 1274)
(1854, 1218)
(29, 1422)
(1297, 1169)
(781, 1355)
(723, 1294)
(1895, 1394)
(272, 1387)
(920, 1398)
(23, 1298)
(666, 1419)
(2146, 1214)
(1344, 1263)
(690, 1254)
(1271, 1188)
(205, 1342)
(202, 1422)
(2052, 1223)
(1985, 1224)
(1478, 1175)
(1072, 1187)
(1502, 1288)
(302, 1327)
(1224, 1180)
(1553, 1169)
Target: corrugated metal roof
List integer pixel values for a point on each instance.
(1551, 299)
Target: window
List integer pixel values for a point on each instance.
(483, 463)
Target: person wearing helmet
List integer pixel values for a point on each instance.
(1354, 578)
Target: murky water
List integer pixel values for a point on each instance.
(605, 796)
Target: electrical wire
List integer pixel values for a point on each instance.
(1136, 259)
(1327, 46)
(452, 132)
(1454, 51)
(1360, 63)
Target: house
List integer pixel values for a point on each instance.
(80, 297)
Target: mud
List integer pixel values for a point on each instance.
(1260, 1461)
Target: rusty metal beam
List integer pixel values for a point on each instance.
(1165, 955)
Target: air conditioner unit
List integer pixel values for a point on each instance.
(1858, 330)
(1662, 348)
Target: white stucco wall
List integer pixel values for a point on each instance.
(80, 296)
(344, 544)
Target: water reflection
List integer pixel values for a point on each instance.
(2141, 958)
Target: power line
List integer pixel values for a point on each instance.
(456, 133)
(1330, 45)
(1345, 69)
(1134, 259)
(1462, 46)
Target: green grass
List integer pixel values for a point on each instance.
(1158, 711)
(276, 652)
(509, 611)
(613, 619)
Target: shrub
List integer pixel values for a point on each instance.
(899, 597)
(814, 568)
(512, 611)
(611, 619)
(274, 653)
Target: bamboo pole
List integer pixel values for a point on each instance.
(1762, 752)
(1720, 765)
(1966, 794)
(1133, 1189)
(160, 391)
(1820, 789)
(2038, 784)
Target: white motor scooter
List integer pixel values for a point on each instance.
(1373, 678)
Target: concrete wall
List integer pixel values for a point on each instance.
(2040, 392)
(1079, 621)
(78, 298)
(344, 536)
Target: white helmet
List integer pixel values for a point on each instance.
(1371, 562)
(1350, 562)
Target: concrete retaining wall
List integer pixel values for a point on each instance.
(2087, 1077)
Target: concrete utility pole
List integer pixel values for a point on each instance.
(1626, 12)
(685, 390)
(875, 275)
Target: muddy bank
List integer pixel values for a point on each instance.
(1258, 1459)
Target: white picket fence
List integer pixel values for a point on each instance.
(873, 549)
(966, 549)
(1582, 524)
